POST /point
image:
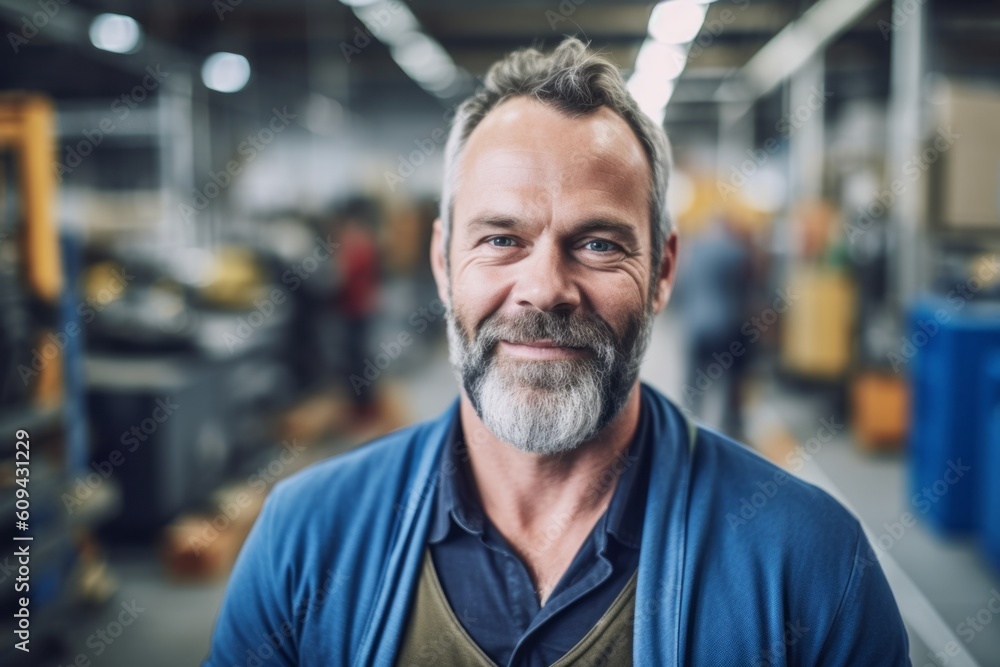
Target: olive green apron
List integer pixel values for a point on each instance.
(435, 637)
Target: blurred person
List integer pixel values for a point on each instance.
(357, 297)
(560, 510)
(713, 289)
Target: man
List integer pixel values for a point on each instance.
(711, 296)
(560, 512)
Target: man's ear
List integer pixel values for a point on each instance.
(438, 266)
(668, 273)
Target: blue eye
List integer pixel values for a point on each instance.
(598, 245)
(501, 241)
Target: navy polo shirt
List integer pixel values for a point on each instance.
(487, 585)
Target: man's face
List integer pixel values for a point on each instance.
(550, 272)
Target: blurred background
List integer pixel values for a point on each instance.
(215, 222)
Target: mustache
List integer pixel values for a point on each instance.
(576, 330)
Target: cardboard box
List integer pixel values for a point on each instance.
(880, 406)
(817, 336)
(965, 156)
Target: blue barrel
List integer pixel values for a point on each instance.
(990, 446)
(947, 347)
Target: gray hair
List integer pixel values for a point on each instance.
(574, 80)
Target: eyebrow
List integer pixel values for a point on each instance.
(601, 224)
(494, 221)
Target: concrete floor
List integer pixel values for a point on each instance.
(171, 629)
(175, 627)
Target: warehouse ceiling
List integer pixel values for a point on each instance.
(288, 37)
(301, 44)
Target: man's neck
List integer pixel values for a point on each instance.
(538, 502)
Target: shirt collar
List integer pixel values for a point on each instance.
(627, 509)
(456, 504)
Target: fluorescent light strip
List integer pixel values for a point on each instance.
(673, 25)
(419, 55)
(792, 47)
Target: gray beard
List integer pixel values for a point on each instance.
(548, 406)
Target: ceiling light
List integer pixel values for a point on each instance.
(676, 21)
(115, 33)
(397, 27)
(426, 61)
(225, 72)
(651, 93)
(664, 60)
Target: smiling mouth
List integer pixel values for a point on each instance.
(540, 349)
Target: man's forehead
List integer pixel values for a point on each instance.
(521, 161)
(522, 138)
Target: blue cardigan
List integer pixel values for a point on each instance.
(740, 563)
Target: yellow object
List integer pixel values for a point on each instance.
(103, 283)
(236, 279)
(817, 334)
(26, 127)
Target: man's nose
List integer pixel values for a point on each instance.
(545, 280)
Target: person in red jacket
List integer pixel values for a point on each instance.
(357, 298)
